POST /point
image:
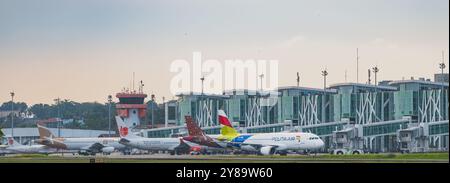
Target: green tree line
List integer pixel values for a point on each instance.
(93, 114)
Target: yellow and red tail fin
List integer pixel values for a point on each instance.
(227, 131)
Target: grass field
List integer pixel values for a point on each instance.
(324, 158)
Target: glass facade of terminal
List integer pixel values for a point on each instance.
(381, 110)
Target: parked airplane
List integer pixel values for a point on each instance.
(264, 143)
(173, 145)
(17, 148)
(85, 146)
(205, 143)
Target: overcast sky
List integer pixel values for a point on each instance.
(86, 50)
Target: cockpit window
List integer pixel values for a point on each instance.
(313, 138)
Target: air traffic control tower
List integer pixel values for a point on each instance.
(131, 106)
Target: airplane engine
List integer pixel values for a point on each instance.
(267, 150)
(108, 149)
(248, 148)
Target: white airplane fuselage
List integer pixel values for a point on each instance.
(31, 149)
(83, 143)
(156, 144)
(278, 142)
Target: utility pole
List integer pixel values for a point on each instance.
(325, 74)
(12, 114)
(109, 115)
(369, 79)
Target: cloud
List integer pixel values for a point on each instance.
(381, 42)
(293, 41)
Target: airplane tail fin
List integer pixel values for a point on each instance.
(227, 131)
(13, 143)
(193, 128)
(44, 132)
(124, 130)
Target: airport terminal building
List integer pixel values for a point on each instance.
(407, 115)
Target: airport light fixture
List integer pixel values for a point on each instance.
(261, 77)
(442, 67)
(12, 114)
(202, 79)
(375, 71)
(57, 101)
(109, 114)
(324, 74)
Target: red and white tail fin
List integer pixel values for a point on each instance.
(223, 119)
(193, 128)
(124, 130)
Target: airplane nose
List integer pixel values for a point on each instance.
(320, 143)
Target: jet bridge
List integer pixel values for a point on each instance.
(422, 137)
(349, 140)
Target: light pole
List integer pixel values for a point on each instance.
(261, 77)
(12, 114)
(375, 71)
(153, 110)
(357, 65)
(202, 79)
(57, 101)
(442, 67)
(298, 79)
(324, 74)
(109, 114)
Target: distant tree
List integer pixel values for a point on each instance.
(21, 106)
(43, 111)
(75, 124)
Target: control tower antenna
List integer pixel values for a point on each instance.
(133, 83)
(141, 87)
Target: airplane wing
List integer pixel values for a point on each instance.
(96, 147)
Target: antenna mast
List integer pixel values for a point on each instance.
(133, 83)
(357, 65)
(345, 76)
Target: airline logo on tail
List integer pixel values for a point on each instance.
(227, 130)
(196, 134)
(123, 131)
(223, 119)
(193, 128)
(11, 141)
